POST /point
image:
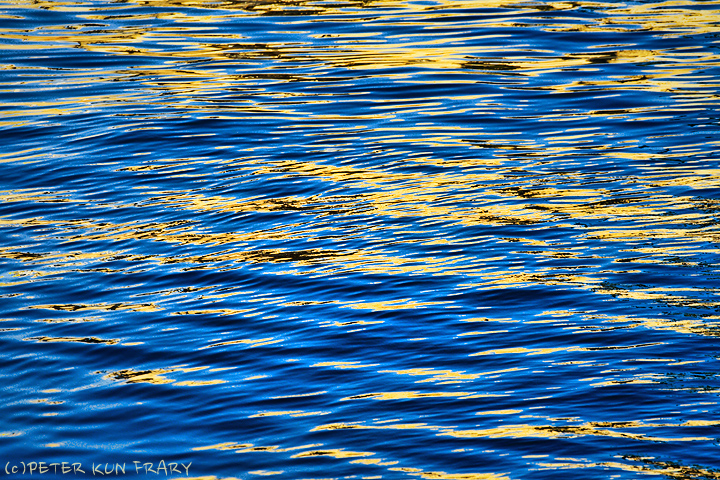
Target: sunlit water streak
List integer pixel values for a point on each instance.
(361, 239)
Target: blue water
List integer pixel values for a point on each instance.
(360, 239)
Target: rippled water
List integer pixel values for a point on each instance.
(438, 239)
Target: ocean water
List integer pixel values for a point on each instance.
(360, 239)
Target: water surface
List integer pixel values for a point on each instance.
(439, 239)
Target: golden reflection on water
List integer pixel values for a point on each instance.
(542, 431)
(310, 451)
(369, 51)
(649, 466)
(156, 377)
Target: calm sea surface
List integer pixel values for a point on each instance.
(360, 239)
